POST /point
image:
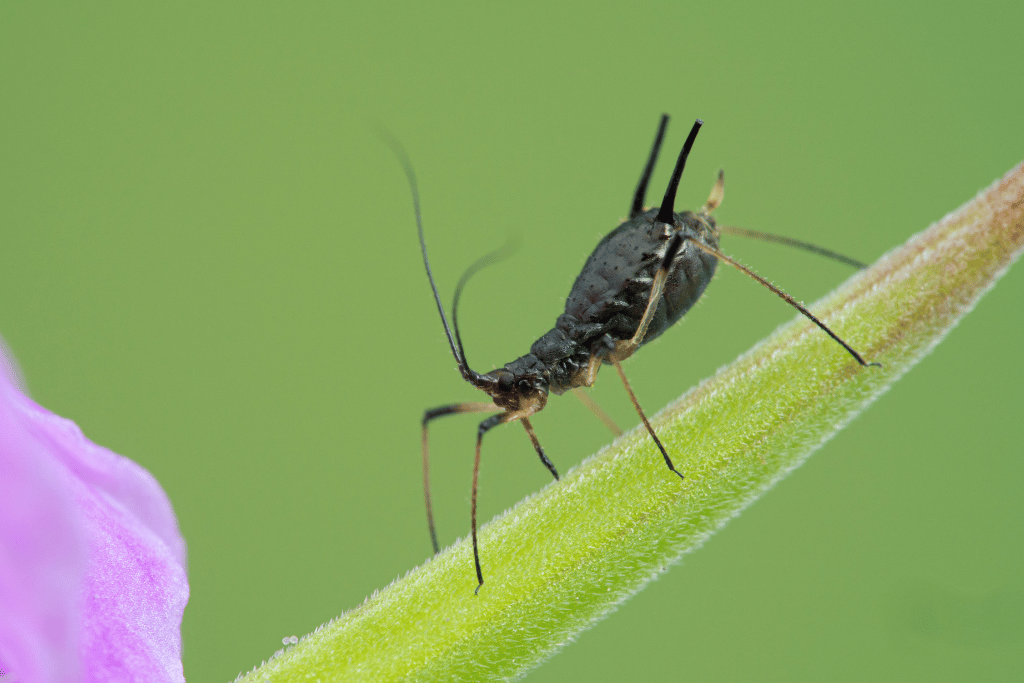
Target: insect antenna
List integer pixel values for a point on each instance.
(665, 215)
(489, 259)
(786, 297)
(645, 177)
(410, 175)
(790, 242)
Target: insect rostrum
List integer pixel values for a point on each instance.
(640, 279)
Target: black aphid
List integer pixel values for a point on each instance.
(640, 279)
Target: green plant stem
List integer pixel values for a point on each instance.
(567, 556)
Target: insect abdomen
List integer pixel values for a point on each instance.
(611, 293)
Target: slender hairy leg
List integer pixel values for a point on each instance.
(785, 297)
(790, 242)
(485, 426)
(650, 429)
(540, 451)
(434, 413)
(604, 417)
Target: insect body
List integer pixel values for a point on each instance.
(639, 280)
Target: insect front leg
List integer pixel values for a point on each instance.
(485, 426)
(432, 414)
(540, 451)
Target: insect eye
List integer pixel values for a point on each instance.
(505, 383)
(523, 385)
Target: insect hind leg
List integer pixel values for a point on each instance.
(785, 297)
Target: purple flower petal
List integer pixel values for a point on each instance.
(92, 567)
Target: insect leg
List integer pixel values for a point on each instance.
(540, 451)
(625, 348)
(485, 426)
(604, 417)
(790, 242)
(786, 297)
(650, 429)
(453, 409)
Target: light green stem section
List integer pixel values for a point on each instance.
(567, 556)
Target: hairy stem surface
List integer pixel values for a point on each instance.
(566, 557)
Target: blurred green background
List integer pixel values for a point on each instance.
(209, 261)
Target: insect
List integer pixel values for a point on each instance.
(640, 279)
